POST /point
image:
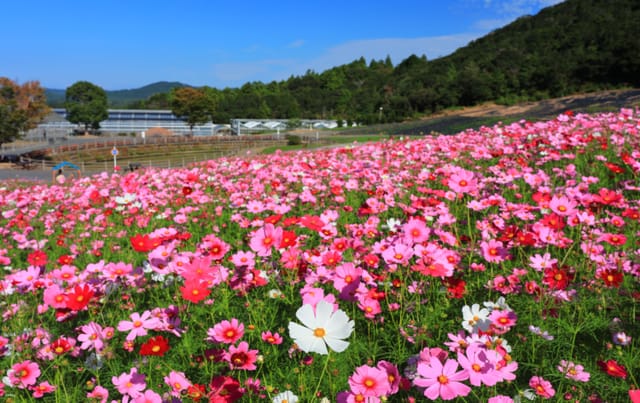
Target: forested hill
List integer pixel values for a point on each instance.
(575, 46)
(119, 98)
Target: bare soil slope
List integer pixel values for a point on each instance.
(452, 121)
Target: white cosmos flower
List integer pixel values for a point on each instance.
(474, 318)
(285, 397)
(321, 329)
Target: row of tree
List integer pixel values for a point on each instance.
(574, 46)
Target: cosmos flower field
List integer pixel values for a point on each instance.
(499, 264)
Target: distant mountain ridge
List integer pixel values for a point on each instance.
(119, 98)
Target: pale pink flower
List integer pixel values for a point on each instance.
(479, 367)
(131, 384)
(573, 371)
(178, 382)
(562, 206)
(500, 399)
(462, 181)
(138, 325)
(264, 239)
(91, 337)
(148, 396)
(100, 393)
(415, 231)
(441, 380)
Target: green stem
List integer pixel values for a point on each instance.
(324, 369)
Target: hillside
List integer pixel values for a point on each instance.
(119, 98)
(576, 46)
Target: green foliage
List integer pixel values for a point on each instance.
(293, 140)
(86, 104)
(22, 107)
(194, 105)
(574, 46)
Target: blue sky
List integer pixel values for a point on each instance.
(124, 44)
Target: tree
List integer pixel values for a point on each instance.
(193, 105)
(86, 104)
(22, 107)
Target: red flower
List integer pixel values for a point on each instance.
(612, 277)
(196, 392)
(553, 221)
(224, 389)
(606, 196)
(37, 258)
(157, 345)
(556, 278)
(186, 190)
(273, 219)
(288, 239)
(611, 367)
(79, 298)
(195, 291)
(60, 346)
(616, 169)
(65, 259)
(455, 287)
(634, 395)
(143, 243)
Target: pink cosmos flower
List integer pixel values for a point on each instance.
(398, 253)
(573, 371)
(138, 325)
(502, 320)
(542, 387)
(462, 181)
(148, 396)
(241, 357)
(41, 389)
(271, 338)
(100, 393)
(264, 239)
(347, 277)
(500, 399)
(226, 332)
(131, 384)
(493, 251)
(441, 380)
(178, 382)
(476, 362)
(91, 337)
(562, 206)
(369, 381)
(415, 231)
(24, 374)
(393, 375)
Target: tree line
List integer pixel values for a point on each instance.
(574, 46)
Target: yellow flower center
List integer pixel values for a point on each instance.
(319, 332)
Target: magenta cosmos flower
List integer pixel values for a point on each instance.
(369, 382)
(24, 374)
(441, 380)
(226, 331)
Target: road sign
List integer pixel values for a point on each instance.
(114, 151)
